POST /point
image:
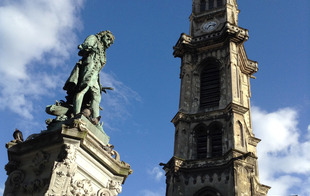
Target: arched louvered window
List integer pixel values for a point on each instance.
(216, 139)
(209, 140)
(203, 5)
(201, 141)
(210, 84)
(211, 4)
(219, 3)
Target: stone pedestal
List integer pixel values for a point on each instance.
(69, 161)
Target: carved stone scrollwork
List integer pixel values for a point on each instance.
(16, 178)
(81, 188)
(109, 148)
(113, 188)
(104, 192)
(14, 181)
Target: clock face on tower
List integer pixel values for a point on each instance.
(209, 26)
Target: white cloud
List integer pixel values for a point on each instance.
(115, 102)
(36, 37)
(277, 127)
(284, 161)
(156, 173)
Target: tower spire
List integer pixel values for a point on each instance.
(215, 147)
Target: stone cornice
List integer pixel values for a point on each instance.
(237, 34)
(247, 66)
(236, 108)
(178, 49)
(254, 141)
(173, 164)
(198, 117)
(216, 114)
(233, 156)
(187, 43)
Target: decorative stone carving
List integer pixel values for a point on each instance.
(13, 183)
(110, 149)
(78, 123)
(81, 188)
(16, 178)
(113, 188)
(35, 186)
(104, 192)
(63, 170)
(177, 164)
(39, 162)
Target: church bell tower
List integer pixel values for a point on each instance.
(215, 147)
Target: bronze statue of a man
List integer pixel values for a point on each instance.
(83, 86)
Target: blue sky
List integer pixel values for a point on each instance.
(38, 50)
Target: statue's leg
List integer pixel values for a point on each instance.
(78, 100)
(96, 98)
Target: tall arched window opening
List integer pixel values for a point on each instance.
(216, 139)
(219, 3)
(209, 140)
(201, 141)
(211, 4)
(203, 4)
(210, 84)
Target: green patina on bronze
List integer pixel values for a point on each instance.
(83, 85)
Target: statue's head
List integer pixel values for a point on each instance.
(107, 37)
